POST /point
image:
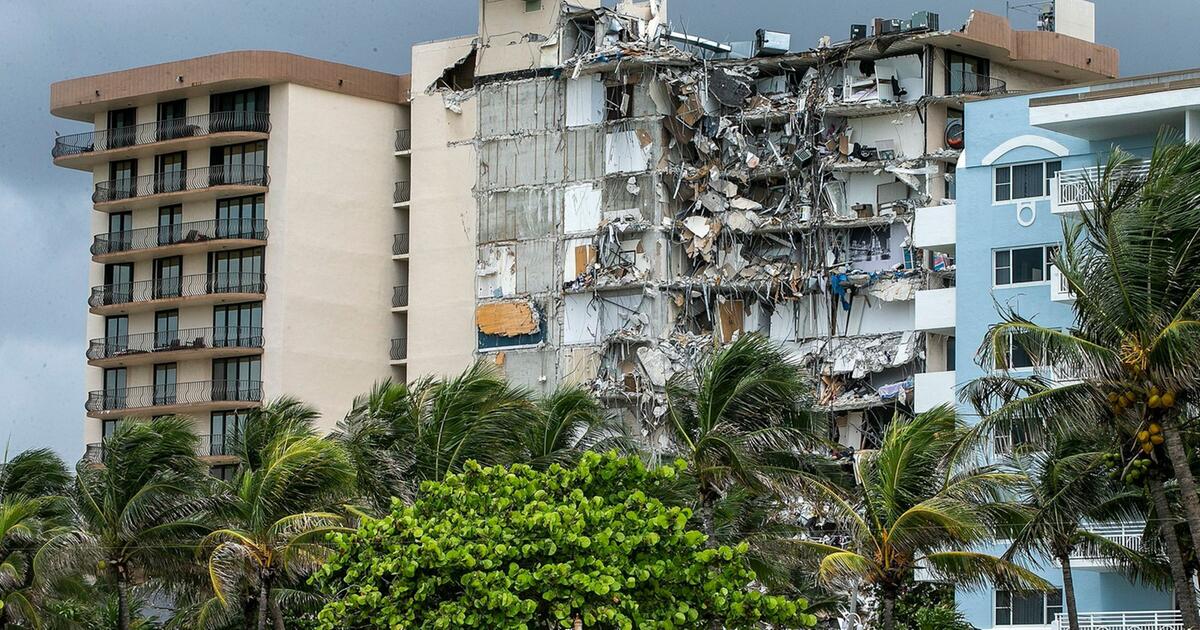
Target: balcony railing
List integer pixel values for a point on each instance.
(159, 131)
(403, 139)
(400, 244)
(179, 181)
(191, 232)
(1125, 534)
(973, 83)
(206, 446)
(183, 286)
(1072, 190)
(190, 393)
(400, 296)
(399, 350)
(403, 192)
(1141, 620)
(174, 340)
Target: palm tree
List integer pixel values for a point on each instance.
(400, 435)
(740, 418)
(921, 501)
(1132, 261)
(135, 512)
(32, 485)
(275, 512)
(567, 423)
(1064, 486)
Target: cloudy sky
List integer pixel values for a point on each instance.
(43, 210)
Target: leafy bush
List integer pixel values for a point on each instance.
(514, 548)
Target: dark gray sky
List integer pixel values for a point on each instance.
(44, 210)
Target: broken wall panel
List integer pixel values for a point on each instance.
(525, 213)
(581, 208)
(521, 161)
(507, 108)
(583, 153)
(589, 318)
(585, 100)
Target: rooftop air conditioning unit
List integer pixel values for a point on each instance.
(771, 42)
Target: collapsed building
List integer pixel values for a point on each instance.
(642, 195)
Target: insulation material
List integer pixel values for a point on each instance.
(731, 316)
(579, 255)
(581, 208)
(585, 100)
(496, 272)
(507, 319)
(627, 151)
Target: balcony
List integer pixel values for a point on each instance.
(935, 228)
(935, 310)
(967, 83)
(1071, 191)
(399, 350)
(402, 195)
(931, 389)
(1060, 289)
(194, 236)
(174, 345)
(400, 297)
(403, 141)
(204, 288)
(400, 245)
(87, 150)
(1125, 534)
(1141, 620)
(156, 400)
(209, 448)
(163, 188)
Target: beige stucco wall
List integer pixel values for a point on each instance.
(441, 322)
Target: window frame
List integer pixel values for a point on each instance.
(1046, 185)
(982, 63)
(1047, 615)
(1046, 263)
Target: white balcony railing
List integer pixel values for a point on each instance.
(1143, 620)
(1060, 290)
(1126, 534)
(1072, 190)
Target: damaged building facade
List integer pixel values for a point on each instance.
(644, 195)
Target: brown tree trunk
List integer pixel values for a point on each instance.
(1069, 591)
(264, 601)
(707, 500)
(122, 599)
(1173, 439)
(889, 611)
(276, 615)
(1184, 594)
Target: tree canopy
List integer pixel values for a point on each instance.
(496, 547)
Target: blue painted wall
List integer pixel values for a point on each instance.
(982, 227)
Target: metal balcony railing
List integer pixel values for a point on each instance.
(173, 340)
(206, 446)
(400, 296)
(1073, 189)
(1126, 534)
(403, 192)
(1140, 620)
(195, 392)
(159, 131)
(178, 181)
(404, 139)
(183, 286)
(399, 350)
(973, 83)
(190, 232)
(400, 244)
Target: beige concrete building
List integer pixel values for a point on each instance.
(243, 206)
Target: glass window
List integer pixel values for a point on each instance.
(123, 176)
(120, 231)
(1022, 265)
(236, 325)
(164, 384)
(108, 428)
(168, 277)
(170, 224)
(237, 379)
(172, 120)
(241, 217)
(223, 428)
(1027, 609)
(236, 271)
(169, 172)
(224, 472)
(121, 132)
(114, 388)
(966, 74)
(240, 110)
(239, 164)
(116, 334)
(1025, 181)
(118, 280)
(166, 329)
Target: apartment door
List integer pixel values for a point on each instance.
(237, 379)
(122, 128)
(166, 330)
(116, 335)
(164, 384)
(170, 224)
(122, 175)
(118, 283)
(172, 120)
(240, 164)
(170, 172)
(115, 392)
(237, 325)
(240, 217)
(120, 232)
(223, 429)
(168, 277)
(236, 271)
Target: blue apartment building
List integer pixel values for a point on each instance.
(1023, 171)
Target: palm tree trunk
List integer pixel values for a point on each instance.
(1184, 594)
(1173, 439)
(889, 611)
(122, 600)
(1069, 590)
(708, 519)
(264, 601)
(276, 615)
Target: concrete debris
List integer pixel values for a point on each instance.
(860, 356)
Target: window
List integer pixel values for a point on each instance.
(114, 388)
(223, 428)
(166, 329)
(532, 6)
(169, 172)
(123, 174)
(120, 228)
(121, 123)
(164, 384)
(118, 281)
(1017, 358)
(239, 164)
(241, 217)
(116, 334)
(168, 277)
(236, 271)
(237, 379)
(224, 472)
(171, 120)
(108, 428)
(966, 74)
(237, 325)
(170, 224)
(1023, 265)
(1032, 609)
(239, 111)
(1025, 181)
